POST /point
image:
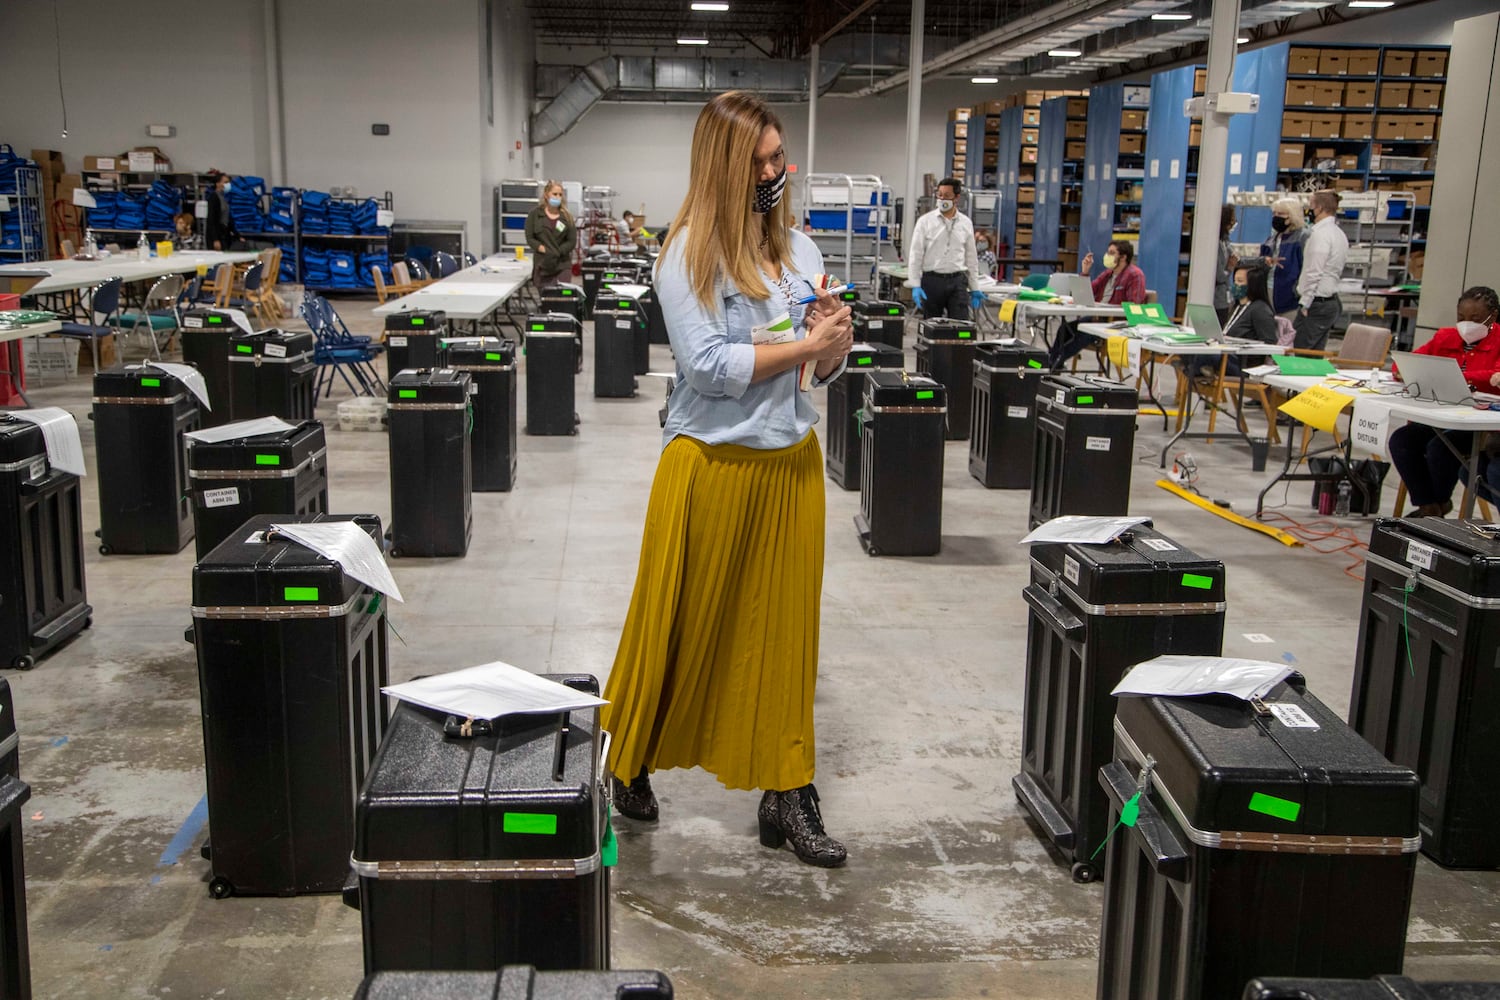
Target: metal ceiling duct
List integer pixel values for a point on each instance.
(649, 78)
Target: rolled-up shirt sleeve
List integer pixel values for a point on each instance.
(712, 363)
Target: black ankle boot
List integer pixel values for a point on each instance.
(636, 799)
(794, 816)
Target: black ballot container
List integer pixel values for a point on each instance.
(271, 374)
(291, 659)
(656, 321)
(515, 982)
(205, 346)
(845, 394)
(430, 418)
(15, 947)
(1002, 421)
(42, 598)
(642, 354)
(563, 298)
(1083, 448)
(1379, 988)
(901, 465)
(616, 326)
(477, 851)
(284, 472)
(1271, 840)
(945, 352)
(1096, 611)
(491, 363)
(412, 339)
(597, 273)
(140, 415)
(552, 347)
(10, 737)
(1426, 690)
(877, 321)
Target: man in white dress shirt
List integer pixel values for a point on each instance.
(942, 265)
(1323, 256)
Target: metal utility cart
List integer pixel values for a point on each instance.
(850, 218)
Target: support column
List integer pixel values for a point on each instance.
(812, 106)
(913, 115)
(275, 125)
(1213, 153)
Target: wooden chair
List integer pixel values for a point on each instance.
(383, 290)
(1484, 507)
(1363, 346)
(1220, 386)
(401, 278)
(67, 249)
(220, 286)
(270, 281)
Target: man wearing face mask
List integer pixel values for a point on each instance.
(1427, 464)
(219, 228)
(942, 264)
(1323, 256)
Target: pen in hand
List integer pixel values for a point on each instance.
(831, 291)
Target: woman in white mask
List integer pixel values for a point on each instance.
(1427, 465)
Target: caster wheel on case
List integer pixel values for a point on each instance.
(88, 622)
(220, 887)
(1083, 873)
(23, 663)
(105, 550)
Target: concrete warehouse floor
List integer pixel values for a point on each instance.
(948, 893)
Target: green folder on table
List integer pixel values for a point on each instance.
(1037, 295)
(1294, 364)
(1145, 314)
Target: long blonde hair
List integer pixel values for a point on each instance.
(562, 209)
(721, 228)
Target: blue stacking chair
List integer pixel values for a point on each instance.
(469, 259)
(338, 352)
(104, 309)
(443, 264)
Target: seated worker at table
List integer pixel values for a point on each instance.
(1282, 253)
(1251, 318)
(1121, 282)
(942, 264)
(184, 235)
(1428, 466)
(551, 234)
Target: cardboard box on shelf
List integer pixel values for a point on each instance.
(1132, 119)
(1359, 126)
(1074, 149)
(1397, 62)
(1023, 238)
(1362, 62)
(1303, 59)
(1030, 136)
(1328, 94)
(1359, 94)
(51, 162)
(1348, 184)
(1296, 125)
(992, 159)
(1135, 143)
(1431, 63)
(92, 163)
(1426, 96)
(1421, 189)
(1032, 98)
(1024, 216)
(1327, 126)
(1200, 80)
(1078, 107)
(1028, 154)
(960, 130)
(1415, 262)
(1348, 162)
(1291, 156)
(1324, 153)
(1075, 130)
(992, 140)
(1070, 239)
(959, 114)
(1390, 127)
(148, 159)
(1301, 93)
(1025, 196)
(1195, 134)
(990, 108)
(1420, 128)
(1394, 95)
(1333, 62)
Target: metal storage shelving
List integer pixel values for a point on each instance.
(852, 225)
(514, 200)
(26, 202)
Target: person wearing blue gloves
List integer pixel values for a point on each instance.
(942, 265)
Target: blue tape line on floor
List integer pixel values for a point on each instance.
(186, 834)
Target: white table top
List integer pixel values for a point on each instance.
(1448, 416)
(67, 275)
(1149, 343)
(30, 330)
(1067, 309)
(471, 294)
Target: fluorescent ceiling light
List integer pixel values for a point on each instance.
(1065, 53)
(692, 41)
(1178, 16)
(985, 79)
(1242, 40)
(1372, 3)
(716, 7)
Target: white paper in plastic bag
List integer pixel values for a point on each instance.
(188, 376)
(239, 429)
(491, 690)
(347, 544)
(60, 431)
(1187, 676)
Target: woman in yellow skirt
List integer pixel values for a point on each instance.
(719, 656)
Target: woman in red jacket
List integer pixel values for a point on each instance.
(1428, 466)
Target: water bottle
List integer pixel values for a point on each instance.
(142, 248)
(1341, 508)
(90, 245)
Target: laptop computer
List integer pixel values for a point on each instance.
(1205, 322)
(1433, 378)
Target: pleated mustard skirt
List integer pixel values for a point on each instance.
(718, 660)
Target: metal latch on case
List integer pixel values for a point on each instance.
(466, 729)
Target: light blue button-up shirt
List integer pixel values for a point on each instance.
(713, 400)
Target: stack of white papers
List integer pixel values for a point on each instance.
(347, 544)
(60, 431)
(239, 429)
(491, 690)
(188, 376)
(1082, 529)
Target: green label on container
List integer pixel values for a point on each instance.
(267, 459)
(154, 383)
(1198, 581)
(542, 823)
(849, 296)
(539, 326)
(418, 321)
(244, 348)
(567, 291)
(864, 359)
(893, 312)
(1270, 805)
(299, 594)
(406, 394)
(493, 357)
(925, 393)
(965, 334)
(624, 305)
(215, 319)
(1033, 363)
(1084, 400)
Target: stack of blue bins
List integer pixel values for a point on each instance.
(315, 212)
(282, 218)
(341, 218)
(315, 272)
(343, 270)
(130, 211)
(163, 202)
(102, 215)
(245, 194)
(376, 258)
(10, 222)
